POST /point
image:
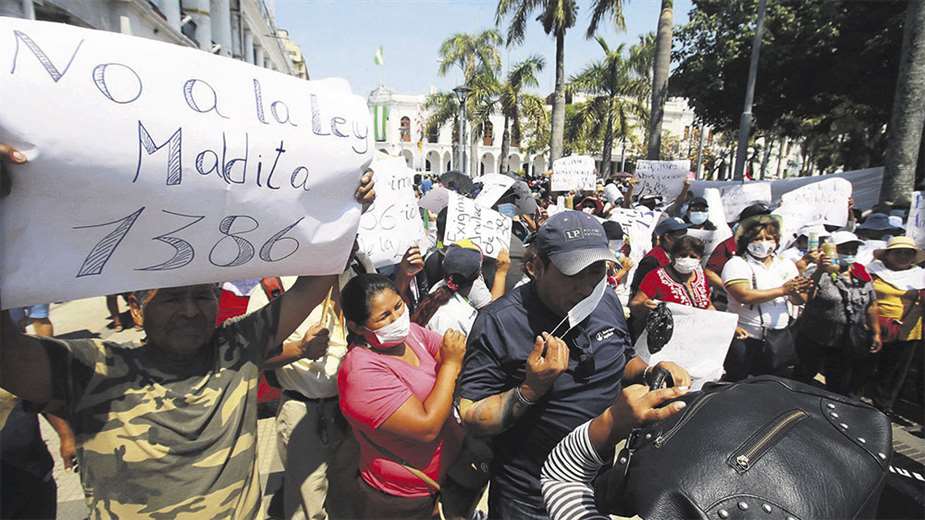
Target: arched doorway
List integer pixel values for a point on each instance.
(539, 166)
(409, 158)
(433, 161)
(488, 164)
(513, 163)
(447, 161)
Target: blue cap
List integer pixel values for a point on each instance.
(670, 225)
(573, 240)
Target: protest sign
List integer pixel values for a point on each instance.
(573, 173)
(715, 210)
(664, 179)
(467, 219)
(393, 223)
(742, 195)
(698, 343)
(823, 202)
(711, 239)
(637, 225)
(436, 199)
(157, 165)
(915, 225)
(493, 187)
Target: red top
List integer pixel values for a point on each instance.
(660, 255)
(723, 252)
(659, 285)
(372, 387)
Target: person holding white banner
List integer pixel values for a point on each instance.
(147, 417)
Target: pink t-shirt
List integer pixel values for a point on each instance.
(372, 386)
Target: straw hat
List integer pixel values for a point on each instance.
(901, 243)
(751, 222)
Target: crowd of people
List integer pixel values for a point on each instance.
(408, 390)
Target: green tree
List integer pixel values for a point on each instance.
(662, 63)
(512, 99)
(614, 88)
(826, 70)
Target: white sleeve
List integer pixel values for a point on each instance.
(736, 269)
(567, 475)
(788, 269)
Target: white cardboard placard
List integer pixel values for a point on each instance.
(699, 342)
(915, 225)
(157, 165)
(436, 199)
(573, 173)
(742, 195)
(661, 178)
(493, 187)
(393, 223)
(467, 219)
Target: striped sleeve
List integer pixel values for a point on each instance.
(567, 475)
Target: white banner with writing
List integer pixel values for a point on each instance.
(661, 178)
(157, 165)
(823, 202)
(467, 219)
(915, 225)
(493, 187)
(573, 173)
(698, 343)
(742, 195)
(393, 223)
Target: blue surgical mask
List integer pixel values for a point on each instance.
(508, 210)
(846, 260)
(698, 217)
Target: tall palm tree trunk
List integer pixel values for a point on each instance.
(607, 152)
(505, 146)
(908, 110)
(474, 160)
(558, 103)
(660, 80)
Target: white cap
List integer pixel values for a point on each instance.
(896, 221)
(818, 229)
(844, 237)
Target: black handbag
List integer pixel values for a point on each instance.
(778, 353)
(766, 447)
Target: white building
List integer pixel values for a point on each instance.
(404, 135)
(242, 29)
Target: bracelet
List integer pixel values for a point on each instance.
(520, 397)
(645, 373)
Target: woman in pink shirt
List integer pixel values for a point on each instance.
(396, 389)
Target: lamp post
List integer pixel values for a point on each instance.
(462, 92)
(745, 124)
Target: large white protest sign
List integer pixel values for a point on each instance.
(436, 199)
(467, 219)
(637, 225)
(915, 225)
(661, 178)
(573, 173)
(698, 343)
(493, 187)
(715, 210)
(742, 195)
(393, 223)
(156, 165)
(823, 202)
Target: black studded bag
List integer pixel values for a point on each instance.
(763, 448)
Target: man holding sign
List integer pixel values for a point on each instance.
(168, 428)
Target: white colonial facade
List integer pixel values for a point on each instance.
(405, 136)
(241, 29)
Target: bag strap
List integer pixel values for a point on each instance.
(755, 287)
(431, 483)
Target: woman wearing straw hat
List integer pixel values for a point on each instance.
(760, 284)
(900, 286)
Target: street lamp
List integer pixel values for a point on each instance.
(745, 124)
(462, 92)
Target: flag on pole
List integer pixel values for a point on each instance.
(379, 57)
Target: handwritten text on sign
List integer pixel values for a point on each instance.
(393, 223)
(573, 173)
(661, 178)
(742, 195)
(155, 165)
(467, 219)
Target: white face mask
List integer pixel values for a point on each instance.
(391, 335)
(584, 308)
(686, 265)
(698, 217)
(760, 249)
(479, 295)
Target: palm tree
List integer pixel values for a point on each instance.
(557, 17)
(477, 56)
(908, 110)
(522, 74)
(660, 79)
(441, 108)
